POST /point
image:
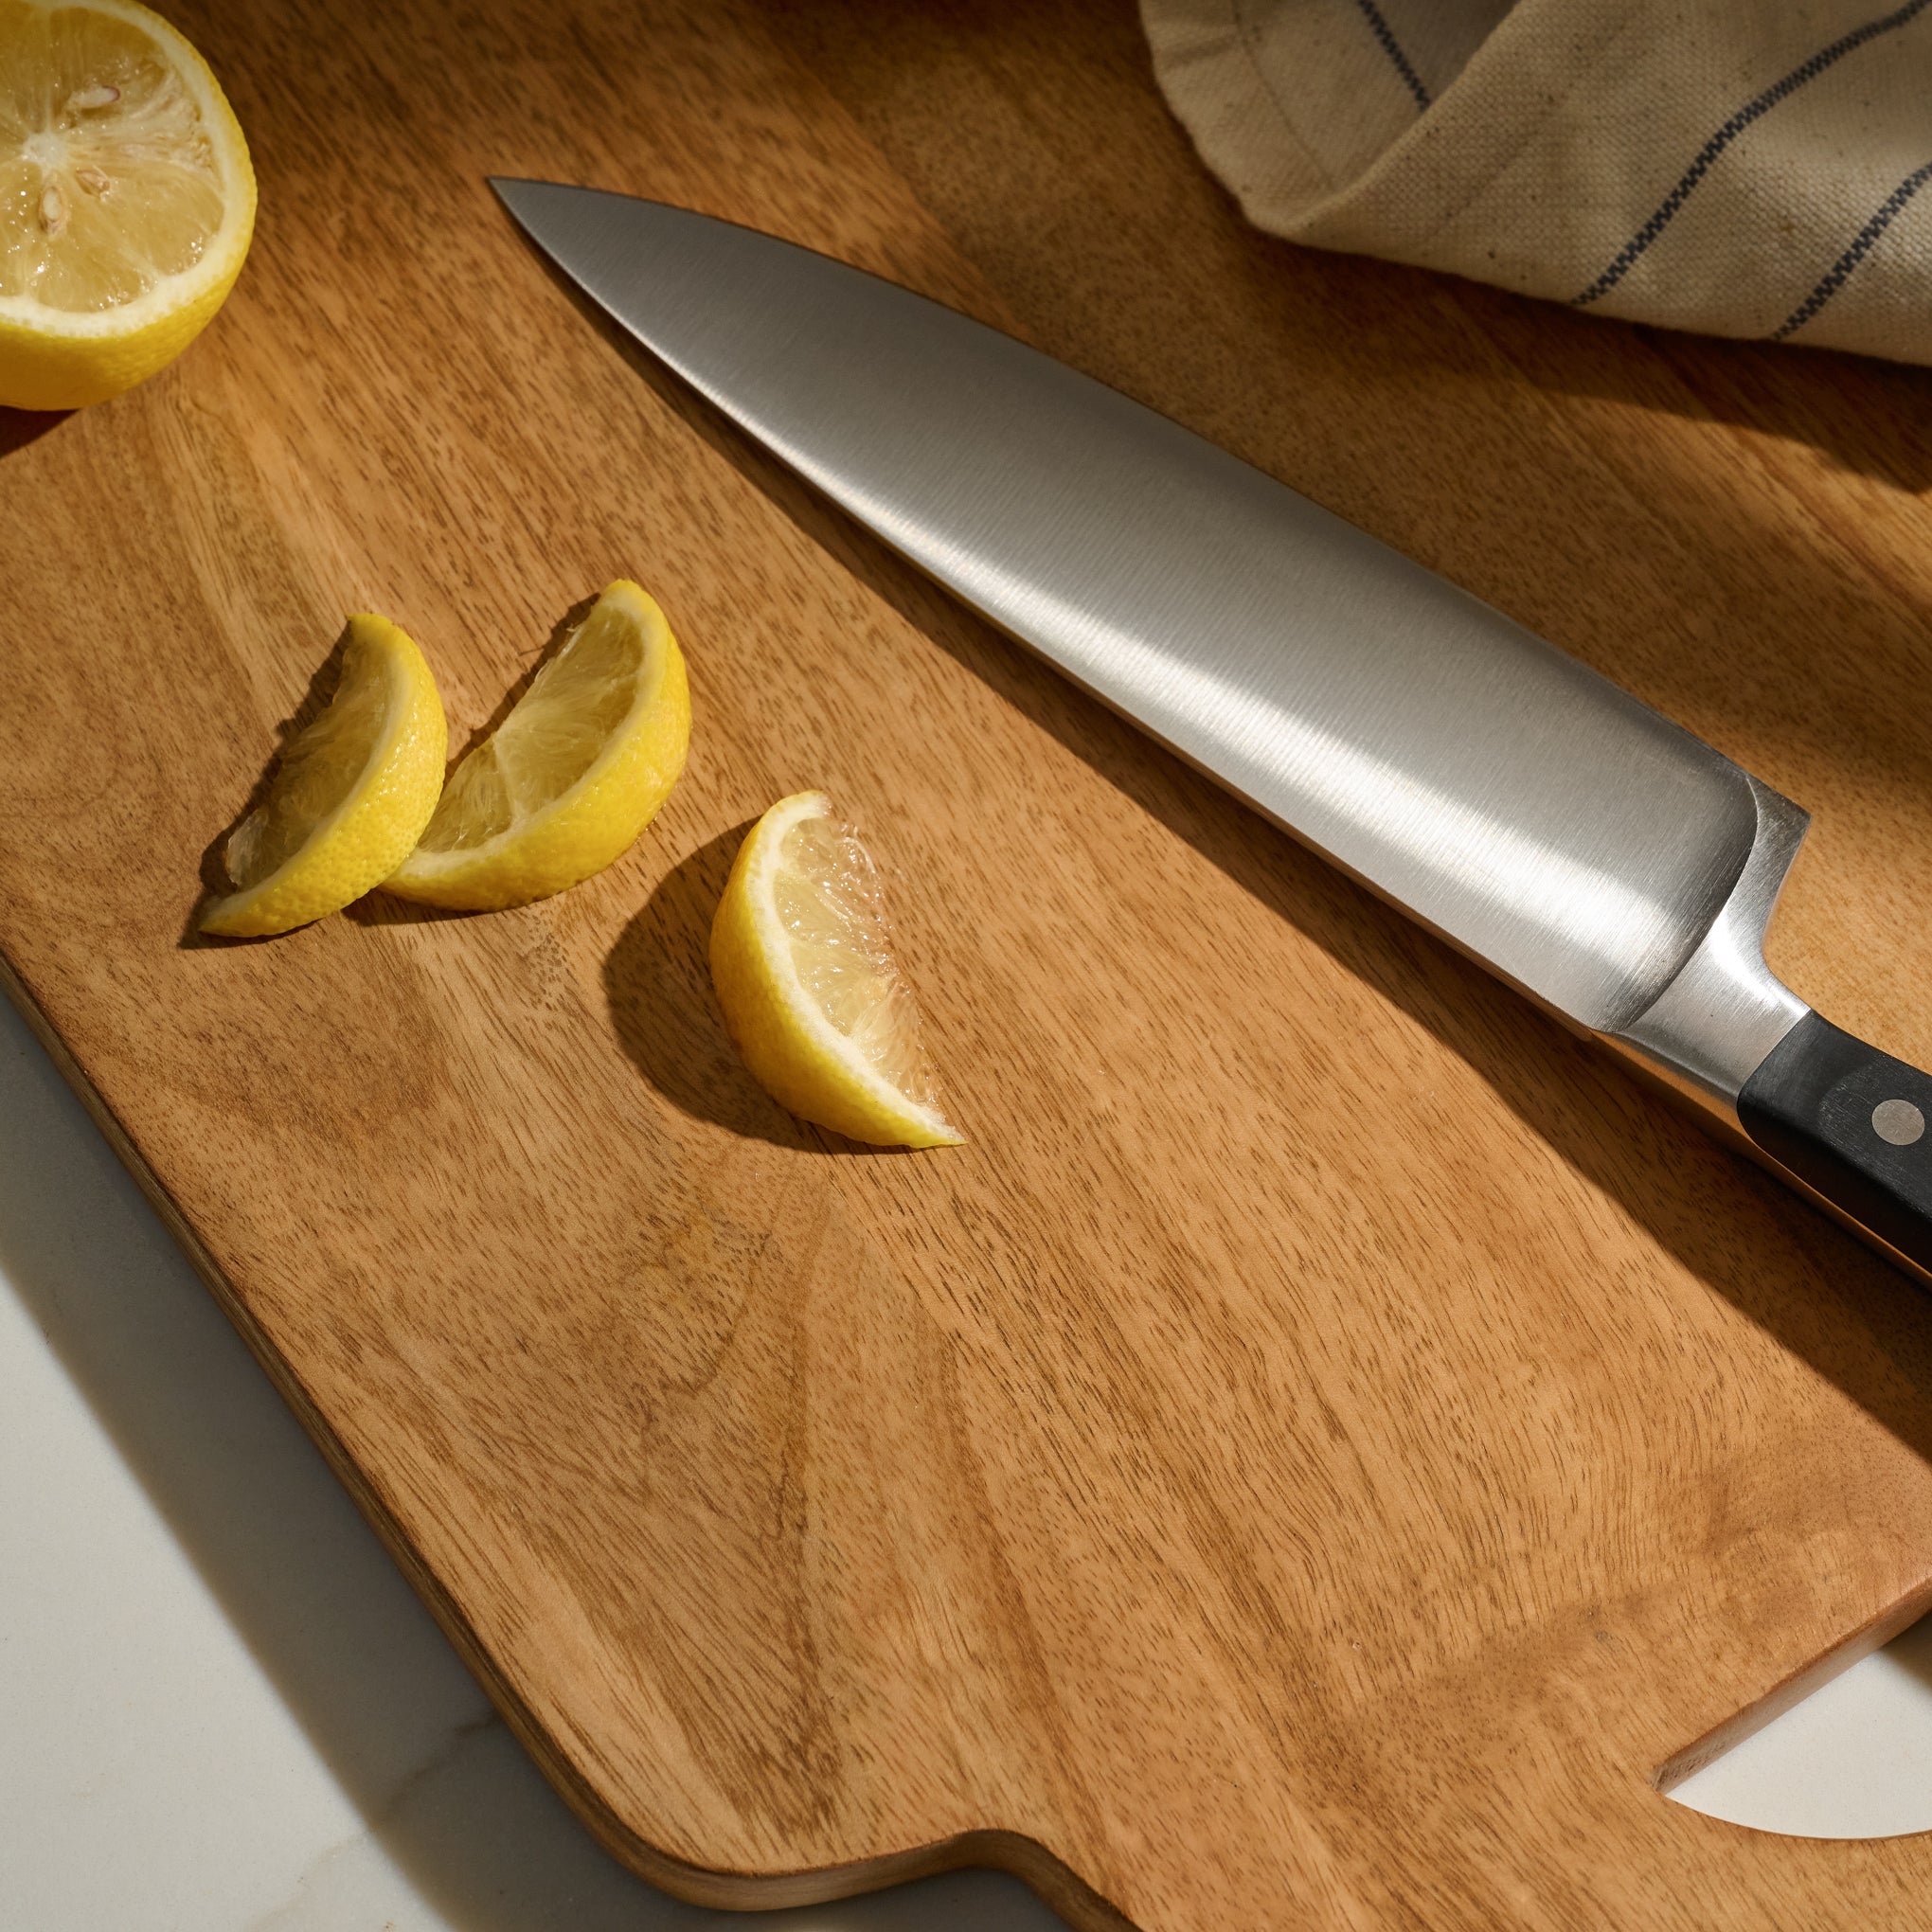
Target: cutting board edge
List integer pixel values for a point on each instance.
(1025, 1858)
(1873, 1634)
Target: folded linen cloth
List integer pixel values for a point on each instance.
(1752, 168)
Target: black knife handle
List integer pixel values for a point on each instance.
(1853, 1124)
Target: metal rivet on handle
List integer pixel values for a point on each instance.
(1897, 1122)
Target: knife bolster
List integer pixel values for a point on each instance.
(1716, 1022)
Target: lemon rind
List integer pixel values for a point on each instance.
(927, 1125)
(410, 682)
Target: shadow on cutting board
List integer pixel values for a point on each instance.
(451, 1802)
(658, 980)
(19, 427)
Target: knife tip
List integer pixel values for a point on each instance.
(511, 189)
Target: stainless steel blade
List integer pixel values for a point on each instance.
(1570, 837)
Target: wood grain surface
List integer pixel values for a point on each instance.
(1332, 1443)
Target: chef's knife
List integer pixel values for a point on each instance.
(1567, 836)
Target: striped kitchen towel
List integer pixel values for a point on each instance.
(1755, 168)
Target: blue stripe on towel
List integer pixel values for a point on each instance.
(1862, 246)
(1827, 57)
(1385, 40)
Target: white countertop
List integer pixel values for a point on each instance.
(223, 1710)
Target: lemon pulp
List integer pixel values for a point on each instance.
(826, 891)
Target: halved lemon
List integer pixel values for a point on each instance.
(801, 957)
(566, 782)
(349, 796)
(127, 200)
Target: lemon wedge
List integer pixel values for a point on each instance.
(349, 796)
(566, 782)
(801, 957)
(126, 199)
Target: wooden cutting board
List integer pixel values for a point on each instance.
(1333, 1443)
